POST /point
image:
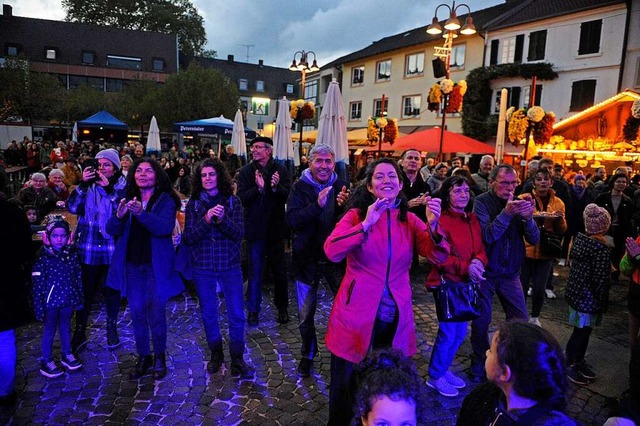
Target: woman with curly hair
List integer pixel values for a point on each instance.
(373, 308)
(390, 391)
(142, 267)
(527, 382)
(213, 233)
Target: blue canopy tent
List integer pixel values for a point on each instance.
(102, 126)
(219, 126)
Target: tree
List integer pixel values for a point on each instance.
(80, 103)
(197, 93)
(165, 16)
(27, 94)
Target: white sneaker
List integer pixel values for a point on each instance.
(550, 294)
(454, 380)
(442, 386)
(529, 292)
(535, 321)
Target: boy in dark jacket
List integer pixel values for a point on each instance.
(57, 291)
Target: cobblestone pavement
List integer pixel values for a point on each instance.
(101, 392)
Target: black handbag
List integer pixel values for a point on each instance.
(457, 301)
(550, 244)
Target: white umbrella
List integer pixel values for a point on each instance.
(332, 127)
(283, 148)
(238, 138)
(153, 137)
(74, 133)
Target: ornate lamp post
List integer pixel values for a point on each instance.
(452, 29)
(303, 66)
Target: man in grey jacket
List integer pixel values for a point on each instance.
(506, 223)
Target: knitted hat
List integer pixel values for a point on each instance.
(262, 139)
(596, 219)
(111, 155)
(579, 176)
(57, 223)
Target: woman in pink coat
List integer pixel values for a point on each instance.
(373, 308)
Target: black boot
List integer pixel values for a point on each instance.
(79, 339)
(142, 367)
(160, 366)
(113, 341)
(217, 358)
(240, 368)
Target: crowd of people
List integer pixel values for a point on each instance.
(363, 238)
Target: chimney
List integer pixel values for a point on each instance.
(7, 10)
(260, 63)
(229, 58)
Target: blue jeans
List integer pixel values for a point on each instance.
(450, 337)
(59, 319)
(8, 358)
(230, 282)
(509, 291)
(148, 310)
(274, 252)
(537, 271)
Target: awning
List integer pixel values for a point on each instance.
(210, 126)
(102, 119)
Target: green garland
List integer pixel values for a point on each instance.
(477, 120)
(630, 129)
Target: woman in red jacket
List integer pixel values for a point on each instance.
(467, 261)
(373, 308)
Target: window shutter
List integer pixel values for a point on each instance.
(515, 97)
(537, 45)
(494, 52)
(590, 37)
(517, 57)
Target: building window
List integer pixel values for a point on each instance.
(526, 95)
(51, 53)
(12, 49)
(289, 88)
(583, 94)
(355, 109)
(414, 65)
(458, 53)
(88, 57)
(311, 91)
(115, 85)
(158, 64)
(260, 86)
(512, 50)
(243, 84)
(126, 62)
(76, 81)
(590, 37)
(537, 45)
(357, 76)
(377, 107)
(513, 98)
(411, 106)
(383, 69)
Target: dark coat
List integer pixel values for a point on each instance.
(486, 402)
(624, 213)
(589, 275)
(504, 236)
(312, 225)
(264, 212)
(160, 222)
(57, 281)
(411, 191)
(14, 264)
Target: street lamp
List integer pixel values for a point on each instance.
(302, 65)
(452, 29)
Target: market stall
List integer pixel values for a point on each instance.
(605, 134)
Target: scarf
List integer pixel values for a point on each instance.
(577, 191)
(307, 177)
